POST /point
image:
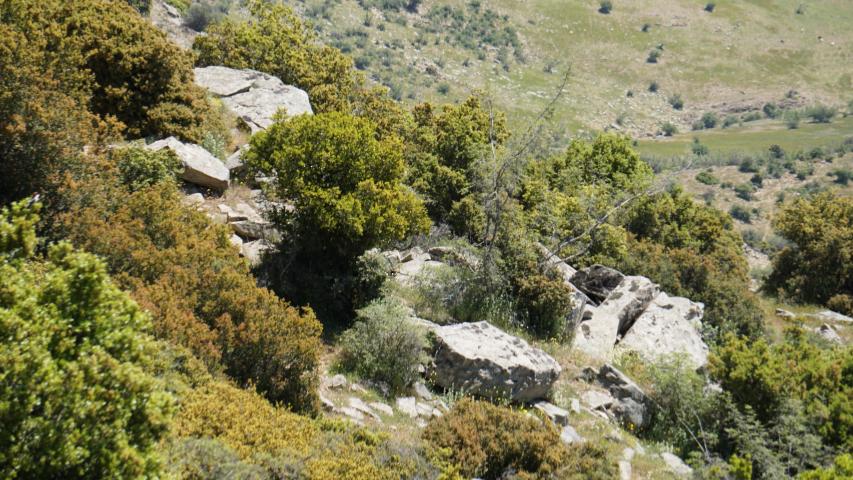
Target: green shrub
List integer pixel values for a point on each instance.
(605, 6)
(741, 213)
(842, 303)
(490, 442)
(699, 148)
(709, 120)
(668, 129)
(676, 101)
(745, 191)
(792, 119)
(776, 151)
(707, 177)
(709, 7)
(771, 110)
(821, 113)
(384, 345)
(653, 57)
(653, 87)
(751, 117)
(140, 168)
(841, 469)
(731, 120)
(200, 15)
(545, 304)
(78, 397)
(142, 6)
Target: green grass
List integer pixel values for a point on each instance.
(752, 138)
(740, 56)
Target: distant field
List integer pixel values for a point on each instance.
(740, 56)
(752, 138)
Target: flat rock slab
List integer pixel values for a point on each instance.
(200, 166)
(481, 359)
(253, 96)
(670, 325)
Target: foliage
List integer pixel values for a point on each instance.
(707, 177)
(841, 469)
(605, 6)
(821, 113)
(739, 212)
(77, 397)
(676, 101)
(546, 303)
(489, 441)
(140, 168)
(202, 296)
(818, 262)
(200, 15)
(709, 120)
(275, 41)
(142, 6)
(384, 345)
(668, 129)
(792, 119)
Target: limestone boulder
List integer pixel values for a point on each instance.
(253, 96)
(597, 282)
(200, 167)
(481, 359)
(597, 335)
(631, 405)
(669, 325)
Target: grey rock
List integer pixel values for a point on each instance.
(337, 381)
(236, 241)
(831, 317)
(422, 392)
(557, 415)
(624, 470)
(327, 404)
(828, 333)
(254, 251)
(383, 408)
(782, 313)
(254, 96)
(194, 199)
(569, 435)
(481, 359)
(631, 404)
(408, 405)
(597, 281)
(676, 464)
(576, 405)
(628, 454)
(358, 404)
(234, 162)
(670, 325)
(597, 400)
(200, 166)
(597, 336)
(256, 230)
(352, 414)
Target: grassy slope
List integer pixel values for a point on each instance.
(743, 54)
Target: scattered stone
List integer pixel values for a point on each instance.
(194, 199)
(200, 166)
(631, 404)
(408, 405)
(256, 230)
(597, 336)
(624, 470)
(782, 313)
(569, 435)
(576, 405)
(352, 413)
(357, 388)
(384, 408)
(362, 407)
(676, 464)
(831, 317)
(481, 359)
(557, 415)
(422, 392)
(234, 162)
(828, 333)
(254, 96)
(670, 325)
(337, 381)
(597, 400)
(236, 241)
(253, 251)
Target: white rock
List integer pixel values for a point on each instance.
(408, 405)
(200, 166)
(670, 325)
(337, 381)
(597, 400)
(676, 464)
(327, 404)
(569, 435)
(628, 454)
(830, 316)
(352, 413)
(194, 199)
(236, 241)
(597, 336)
(422, 392)
(362, 407)
(481, 359)
(557, 415)
(383, 408)
(254, 96)
(828, 333)
(253, 251)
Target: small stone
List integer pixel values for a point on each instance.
(362, 407)
(569, 435)
(676, 464)
(338, 381)
(357, 388)
(782, 313)
(408, 405)
(624, 470)
(628, 454)
(597, 400)
(327, 404)
(383, 408)
(352, 413)
(576, 405)
(557, 415)
(424, 410)
(236, 240)
(422, 392)
(194, 199)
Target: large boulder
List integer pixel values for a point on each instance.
(254, 96)
(200, 166)
(669, 325)
(481, 359)
(597, 335)
(631, 406)
(597, 281)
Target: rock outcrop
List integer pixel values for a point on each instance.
(669, 325)
(481, 359)
(200, 166)
(253, 96)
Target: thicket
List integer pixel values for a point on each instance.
(817, 265)
(78, 397)
(491, 442)
(182, 269)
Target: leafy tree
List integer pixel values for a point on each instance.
(709, 120)
(821, 113)
(77, 395)
(818, 262)
(275, 41)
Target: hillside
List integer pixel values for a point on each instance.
(734, 59)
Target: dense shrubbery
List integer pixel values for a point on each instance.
(384, 345)
(183, 270)
(77, 394)
(818, 263)
(489, 441)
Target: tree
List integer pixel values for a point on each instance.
(818, 263)
(77, 397)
